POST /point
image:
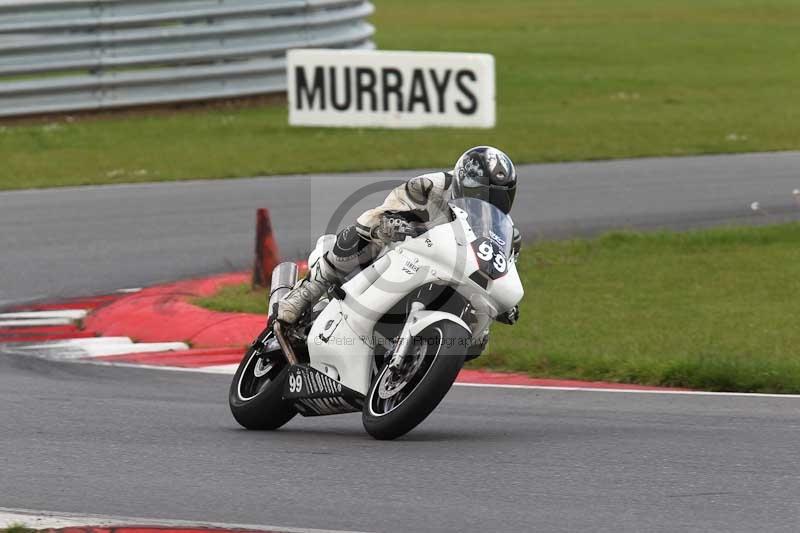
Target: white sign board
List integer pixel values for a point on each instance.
(365, 88)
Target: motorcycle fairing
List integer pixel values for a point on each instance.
(333, 342)
(314, 393)
(343, 335)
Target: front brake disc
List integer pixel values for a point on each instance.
(390, 384)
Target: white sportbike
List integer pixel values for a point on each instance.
(391, 340)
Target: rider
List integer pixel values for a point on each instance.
(482, 172)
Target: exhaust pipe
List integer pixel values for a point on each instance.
(284, 276)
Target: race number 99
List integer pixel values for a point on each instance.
(295, 383)
(492, 259)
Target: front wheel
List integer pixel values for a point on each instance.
(398, 401)
(256, 392)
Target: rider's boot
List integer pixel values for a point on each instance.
(321, 276)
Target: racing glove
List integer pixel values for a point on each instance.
(395, 227)
(516, 242)
(510, 317)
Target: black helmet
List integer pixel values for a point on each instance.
(488, 174)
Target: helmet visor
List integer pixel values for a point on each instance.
(500, 196)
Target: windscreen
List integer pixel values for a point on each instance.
(492, 233)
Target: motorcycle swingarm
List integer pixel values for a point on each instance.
(313, 393)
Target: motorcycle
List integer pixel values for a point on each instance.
(390, 341)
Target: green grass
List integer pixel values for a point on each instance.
(712, 309)
(16, 528)
(577, 79)
(236, 299)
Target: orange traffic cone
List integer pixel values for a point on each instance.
(267, 254)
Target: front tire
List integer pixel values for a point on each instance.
(440, 350)
(256, 392)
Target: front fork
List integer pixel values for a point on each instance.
(284, 343)
(404, 341)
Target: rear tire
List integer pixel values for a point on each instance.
(445, 345)
(257, 401)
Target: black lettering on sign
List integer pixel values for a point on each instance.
(419, 92)
(473, 101)
(386, 89)
(392, 87)
(365, 84)
(302, 88)
(441, 86)
(344, 104)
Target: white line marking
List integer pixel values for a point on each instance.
(73, 314)
(77, 350)
(633, 391)
(40, 521)
(231, 369)
(47, 519)
(98, 351)
(77, 343)
(122, 349)
(129, 291)
(221, 369)
(218, 369)
(23, 323)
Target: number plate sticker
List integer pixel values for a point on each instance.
(492, 260)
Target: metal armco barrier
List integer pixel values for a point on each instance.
(72, 55)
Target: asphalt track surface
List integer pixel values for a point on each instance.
(161, 444)
(81, 241)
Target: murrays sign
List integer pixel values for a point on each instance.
(354, 88)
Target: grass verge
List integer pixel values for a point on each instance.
(236, 299)
(16, 528)
(585, 79)
(711, 309)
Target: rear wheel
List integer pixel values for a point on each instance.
(256, 393)
(399, 400)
